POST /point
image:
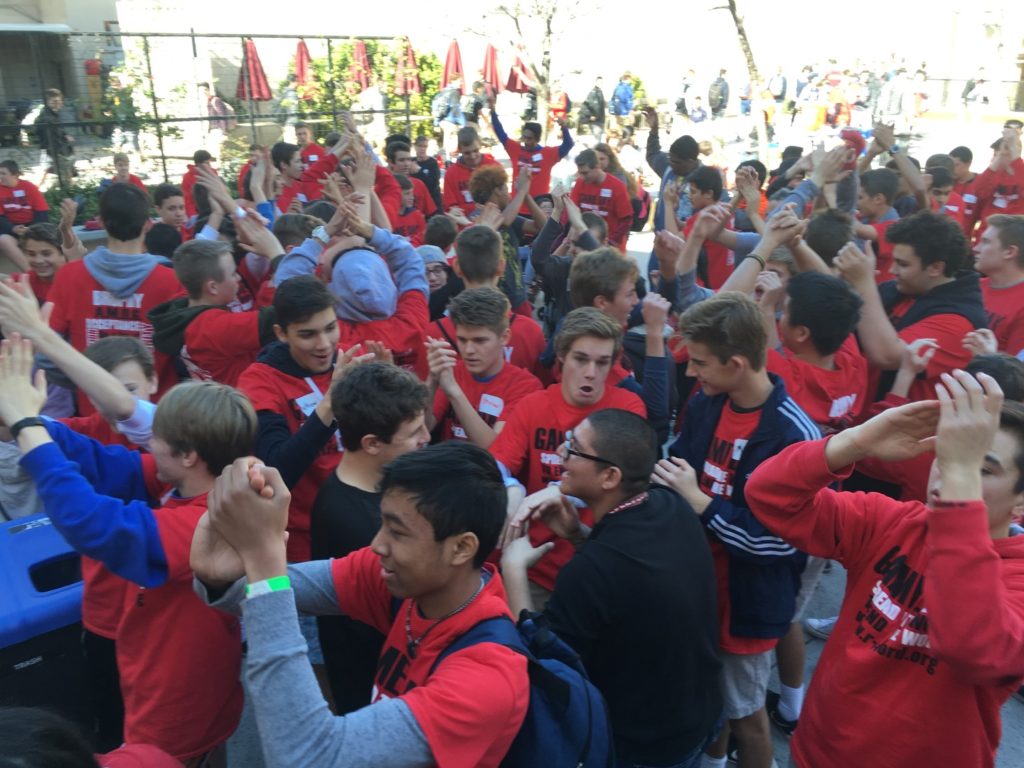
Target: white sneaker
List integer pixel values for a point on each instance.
(820, 628)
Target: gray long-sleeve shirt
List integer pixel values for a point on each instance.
(296, 727)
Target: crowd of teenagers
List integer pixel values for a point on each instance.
(309, 434)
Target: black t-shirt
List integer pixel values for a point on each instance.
(344, 519)
(637, 602)
(430, 174)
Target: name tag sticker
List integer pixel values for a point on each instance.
(538, 157)
(491, 405)
(606, 193)
(19, 193)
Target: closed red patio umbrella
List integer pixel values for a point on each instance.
(252, 80)
(490, 71)
(359, 70)
(453, 67)
(303, 69)
(519, 80)
(407, 78)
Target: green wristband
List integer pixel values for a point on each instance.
(265, 587)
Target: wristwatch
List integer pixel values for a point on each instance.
(894, 149)
(28, 421)
(320, 233)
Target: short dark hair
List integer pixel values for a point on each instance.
(441, 231)
(707, 178)
(934, 237)
(403, 181)
(162, 240)
(480, 308)
(322, 210)
(963, 154)
(939, 161)
(599, 273)
(38, 738)
(197, 261)
(585, 322)
(457, 487)
(201, 156)
(124, 211)
(728, 324)
(397, 137)
(467, 135)
(759, 168)
(594, 222)
(1007, 370)
(880, 181)
(299, 298)
(941, 177)
(826, 306)
(478, 253)
(10, 166)
(294, 228)
(375, 399)
(586, 159)
(533, 128)
(164, 192)
(394, 147)
(1011, 419)
(629, 441)
(827, 232)
(282, 152)
(685, 148)
(110, 351)
(42, 232)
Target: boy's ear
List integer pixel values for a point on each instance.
(279, 333)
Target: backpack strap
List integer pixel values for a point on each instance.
(444, 333)
(500, 630)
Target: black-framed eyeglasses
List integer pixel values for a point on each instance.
(570, 451)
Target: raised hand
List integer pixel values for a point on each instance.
(981, 342)
(968, 420)
(917, 354)
(23, 395)
(19, 309)
(855, 266)
(254, 236)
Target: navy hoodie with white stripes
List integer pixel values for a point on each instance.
(764, 571)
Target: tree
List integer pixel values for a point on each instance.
(756, 87)
(535, 29)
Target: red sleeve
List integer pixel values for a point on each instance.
(789, 495)
(390, 194)
(574, 193)
(473, 696)
(513, 442)
(225, 333)
(982, 643)
(60, 317)
(948, 330)
(36, 199)
(413, 311)
(262, 392)
(1015, 338)
(450, 195)
(440, 405)
(187, 182)
(362, 594)
(320, 168)
(284, 200)
(618, 230)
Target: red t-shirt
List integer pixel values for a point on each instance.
(179, 659)
(402, 333)
(134, 180)
(721, 260)
(85, 312)
(716, 476)
(1005, 310)
(220, 345)
(241, 178)
(541, 160)
(954, 208)
(526, 343)
(949, 331)
(312, 153)
(835, 398)
(18, 204)
(493, 399)
(1001, 191)
(528, 447)
(421, 198)
(969, 193)
(40, 287)
(472, 706)
(272, 390)
(307, 188)
(609, 200)
(412, 226)
(456, 185)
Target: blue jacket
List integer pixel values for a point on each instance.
(622, 99)
(764, 571)
(96, 496)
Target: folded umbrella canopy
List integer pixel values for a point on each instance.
(407, 76)
(359, 69)
(490, 71)
(303, 68)
(252, 80)
(519, 80)
(453, 67)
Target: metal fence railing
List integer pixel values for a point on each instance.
(140, 93)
